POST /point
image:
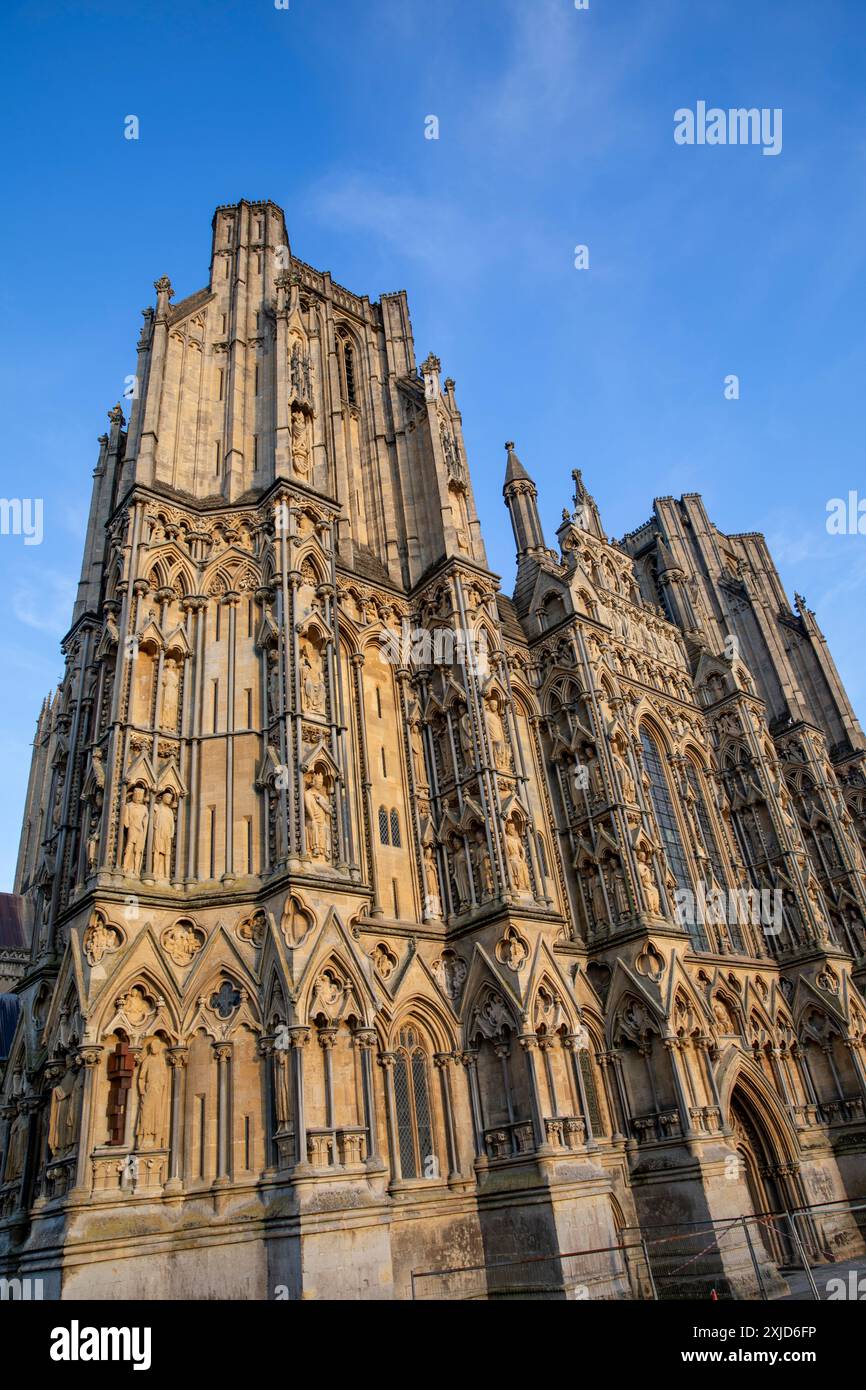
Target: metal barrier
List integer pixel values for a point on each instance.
(768, 1255)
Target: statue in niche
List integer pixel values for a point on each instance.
(461, 871)
(431, 879)
(648, 883)
(300, 443)
(599, 902)
(516, 855)
(481, 861)
(63, 1125)
(93, 840)
(150, 1085)
(418, 753)
(163, 835)
(814, 897)
(317, 809)
(135, 818)
(620, 889)
(273, 682)
(312, 683)
(282, 1091)
(170, 692)
(464, 731)
(17, 1147)
(498, 741)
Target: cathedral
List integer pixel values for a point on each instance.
(369, 922)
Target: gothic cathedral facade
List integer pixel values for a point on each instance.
(379, 922)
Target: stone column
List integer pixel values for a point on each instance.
(386, 1062)
(177, 1058)
(673, 1046)
(364, 1039)
(442, 1062)
(327, 1037)
(529, 1045)
(298, 1039)
(469, 1059)
(223, 1054)
(574, 1045)
(88, 1058)
(357, 660)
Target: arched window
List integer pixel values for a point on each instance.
(704, 821)
(669, 829)
(412, 1105)
(711, 845)
(383, 825)
(349, 372)
(395, 829)
(590, 1090)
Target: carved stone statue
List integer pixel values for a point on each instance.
(273, 682)
(317, 810)
(498, 741)
(163, 835)
(170, 692)
(516, 855)
(599, 904)
(135, 818)
(648, 883)
(300, 443)
(481, 861)
(312, 684)
(17, 1147)
(282, 1091)
(150, 1085)
(431, 879)
(63, 1125)
(460, 870)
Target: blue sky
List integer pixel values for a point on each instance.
(556, 129)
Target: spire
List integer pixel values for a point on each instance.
(586, 514)
(514, 471)
(521, 499)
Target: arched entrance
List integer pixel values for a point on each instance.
(760, 1163)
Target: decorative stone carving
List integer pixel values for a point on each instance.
(384, 960)
(297, 921)
(252, 927)
(101, 938)
(512, 950)
(183, 941)
(450, 972)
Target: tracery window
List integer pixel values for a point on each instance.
(669, 830)
(412, 1105)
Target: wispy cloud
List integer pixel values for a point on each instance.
(45, 601)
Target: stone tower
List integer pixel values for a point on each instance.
(379, 922)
